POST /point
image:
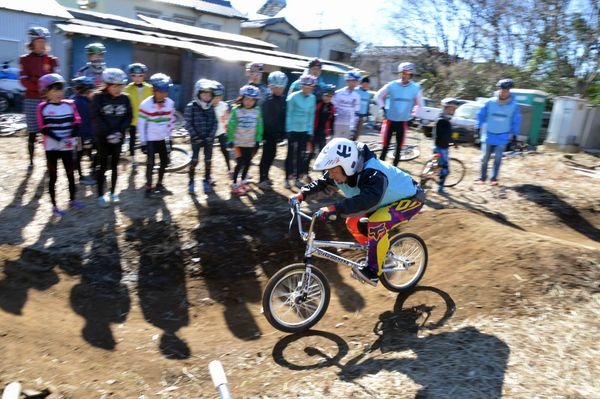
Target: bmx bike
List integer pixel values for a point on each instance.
(432, 169)
(297, 296)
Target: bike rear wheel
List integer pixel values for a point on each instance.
(406, 261)
(457, 172)
(285, 304)
(179, 158)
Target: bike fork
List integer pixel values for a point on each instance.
(307, 277)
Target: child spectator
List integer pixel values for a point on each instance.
(111, 111)
(347, 104)
(254, 71)
(365, 100)
(58, 120)
(244, 133)
(95, 64)
(155, 124)
(34, 65)
(299, 125)
(201, 123)
(222, 112)
(84, 92)
(443, 137)
(273, 112)
(138, 91)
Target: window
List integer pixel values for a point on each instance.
(339, 56)
(147, 12)
(209, 25)
(182, 19)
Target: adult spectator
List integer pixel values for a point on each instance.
(502, 117)
(404, 95)
(33, 66)
(314, 68)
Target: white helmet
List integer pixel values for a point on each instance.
(406, 67)
(338, 152)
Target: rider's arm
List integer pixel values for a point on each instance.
(515, 124)
(372, 184)
(418, 106)
(481, 116)
(324, 185)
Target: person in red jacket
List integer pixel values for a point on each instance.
(33, 66)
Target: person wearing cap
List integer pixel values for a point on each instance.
(34, 65)
(313, 68)
(502, 117)
(365, 100)
(299, 126)
(155, 126)
(347, 104)
(95, 62)
(138, 90)
(255, 70)
(403, 95)
(111, 112)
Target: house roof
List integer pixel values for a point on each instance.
(261, 23)
(205, 33)
(223, 8)
(321, 33)
(50, 7)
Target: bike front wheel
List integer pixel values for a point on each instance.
(179, 159)
(291, 303)
(405, 263)
(457, 172)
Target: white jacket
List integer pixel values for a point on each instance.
(347, 105)
(155, 121)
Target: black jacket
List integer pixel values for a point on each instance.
(443, 132)
(110, 114)
(273, 114)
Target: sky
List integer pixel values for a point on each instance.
(360, 20)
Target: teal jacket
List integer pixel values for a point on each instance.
(300, 113)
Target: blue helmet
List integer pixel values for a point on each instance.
(83, 83)
(249, 91)
(137, 68)
(329, 89)
(505, 84)
(114, 76)
(218, 89)
(278, 79)
(352, 75)
(160, 82)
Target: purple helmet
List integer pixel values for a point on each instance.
(50, 79)
(250, 91)
(308, 80)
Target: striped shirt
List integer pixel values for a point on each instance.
(155, 121)
(59, 118)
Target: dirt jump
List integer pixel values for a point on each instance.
(135, 300)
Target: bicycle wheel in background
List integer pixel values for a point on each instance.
(457, 172)
(179, 130)
(409, 152)
(285, 305)
(404, 247)
(179, 159)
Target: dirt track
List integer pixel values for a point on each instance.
(136, 300)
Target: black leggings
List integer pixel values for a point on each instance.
(208, 148)
(398, 127)
(106, 150)
(31, 145)
(295, 162)
(269, 151)
(132, 138)
(52, 158)
(242, 162)
(224, 150)
(156, 147)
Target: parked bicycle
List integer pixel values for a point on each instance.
(432, 169)
(297, 296)
(179, 158)
(410, 150)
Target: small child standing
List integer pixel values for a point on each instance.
(443, 137)
(111, 111)
(84, 92)
(222, 112)
(138, 91)
(201, 123)
(273, 112)
(244, 133)
(347, 104)
(58, 121)
(155, 124)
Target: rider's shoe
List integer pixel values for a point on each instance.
(367, 275)
(114, 198)
(101, 201)
(57, 212)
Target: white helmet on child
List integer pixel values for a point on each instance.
(338, 152)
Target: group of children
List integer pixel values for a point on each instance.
(105, 110)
